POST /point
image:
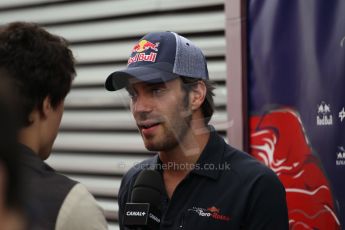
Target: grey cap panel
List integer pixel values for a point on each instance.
(189, 59)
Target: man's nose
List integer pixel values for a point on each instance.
(142, 104)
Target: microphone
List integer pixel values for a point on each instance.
(143, 212)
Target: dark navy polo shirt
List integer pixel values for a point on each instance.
(227, 189)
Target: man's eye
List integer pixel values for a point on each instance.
(157, 91)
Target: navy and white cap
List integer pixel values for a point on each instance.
(160, 57)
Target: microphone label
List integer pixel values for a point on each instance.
(141, 215)
(155, 218)
(132, 213)
(136, 214)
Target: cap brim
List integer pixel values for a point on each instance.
(119, 79)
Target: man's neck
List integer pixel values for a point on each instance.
(183, 157)
(178, 162)
(28, 137)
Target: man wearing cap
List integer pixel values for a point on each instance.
(208, 183)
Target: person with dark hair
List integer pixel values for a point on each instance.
(11, 197)
(208, 184)
(39, 67)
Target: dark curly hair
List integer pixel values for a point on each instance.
(38, 63)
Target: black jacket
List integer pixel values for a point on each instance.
(44, 190)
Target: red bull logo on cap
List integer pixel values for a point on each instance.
(142, 46)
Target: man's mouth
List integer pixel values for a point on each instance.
(147, 127)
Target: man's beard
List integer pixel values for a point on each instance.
(173, 135)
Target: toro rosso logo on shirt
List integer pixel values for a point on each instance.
(139, 49)
(212, 212)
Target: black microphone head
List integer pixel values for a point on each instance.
(148, 188)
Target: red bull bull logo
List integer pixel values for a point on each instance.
(139, 49)
(144, 45)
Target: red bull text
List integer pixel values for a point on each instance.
(140, 47)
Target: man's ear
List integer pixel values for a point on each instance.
(41, 113)
(46, 107)
(197, 95)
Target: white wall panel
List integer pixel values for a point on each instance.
(93, 9)
(11, 3)
(126, 27)
(119, 51)
(83, 141)
(113, 226)
(94, 163)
